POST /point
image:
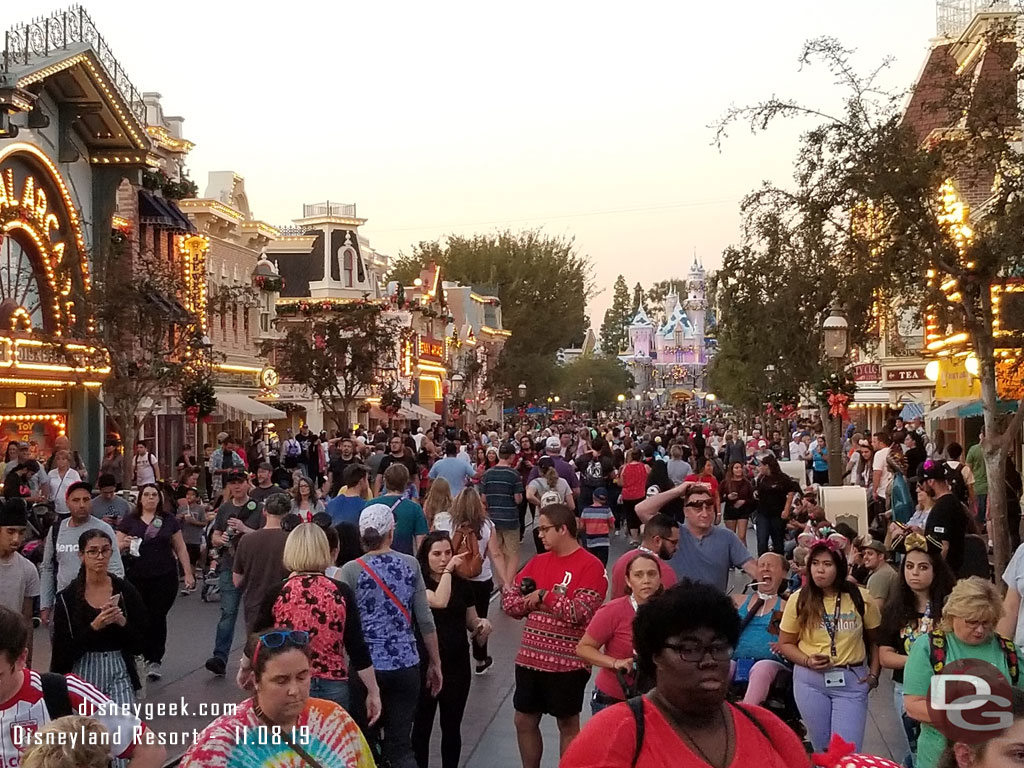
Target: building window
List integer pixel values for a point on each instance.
(245, 324)
(234, 321)
(347, 257)
(264, 322)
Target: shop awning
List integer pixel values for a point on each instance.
(871, 396)
(912, 411)
(418, 413)
(949, 410)
(157, 210)
(975, 409)
(237, 406)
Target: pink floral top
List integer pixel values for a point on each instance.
(327, 610)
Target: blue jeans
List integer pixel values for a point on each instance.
(826, 711)
(600, 700)
(332, 690)
(910, 727)
(399, 695)
(230, 597)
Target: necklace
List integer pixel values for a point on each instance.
(664, 707)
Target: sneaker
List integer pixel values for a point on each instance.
(218, 666)
(153, 670)
(484, 665)
(185, 591)
(36, 622)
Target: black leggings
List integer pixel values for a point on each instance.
(158, 594)
(452, 702)
(481, 592)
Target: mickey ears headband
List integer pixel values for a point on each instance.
(909, 540)
(834, 542)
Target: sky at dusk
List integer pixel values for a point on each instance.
(587, 119)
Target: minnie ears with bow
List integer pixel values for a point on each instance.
(907, 540)
(834, 542)
(840, 754)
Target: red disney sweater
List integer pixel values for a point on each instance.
(552, 632)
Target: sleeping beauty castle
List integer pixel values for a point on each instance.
(669, 355)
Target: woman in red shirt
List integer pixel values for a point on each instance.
(634, 490)
(684, 640)
(612, 629)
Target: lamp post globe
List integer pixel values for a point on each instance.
(522, 391)
(836, 335)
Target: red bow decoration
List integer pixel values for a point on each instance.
(192, 412)
(840, 754)
(838, 405)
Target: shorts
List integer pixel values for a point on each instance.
(508, 542)
(559, 694)
(194, 550)
(732, 513)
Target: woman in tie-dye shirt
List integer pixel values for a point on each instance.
(280, 726)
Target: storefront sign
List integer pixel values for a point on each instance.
(867, 372)
(431, 349)
(905, 375)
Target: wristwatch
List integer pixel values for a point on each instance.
(542, 593)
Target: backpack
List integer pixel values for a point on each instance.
(900, 500)
(593, 474)
(549, 497)
(292, 449)
(937, 653)
(465, 540)
(55, 695)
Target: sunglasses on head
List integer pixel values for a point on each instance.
(278, 638)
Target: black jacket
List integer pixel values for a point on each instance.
(73, 636)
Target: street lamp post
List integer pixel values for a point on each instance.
(836, 336)
(457, 380)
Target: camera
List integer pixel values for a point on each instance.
(526, 586)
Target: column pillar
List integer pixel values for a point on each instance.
(85, 427)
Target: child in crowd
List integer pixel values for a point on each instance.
(597, 522)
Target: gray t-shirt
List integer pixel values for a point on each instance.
(65, 558)
(709, 559)
(18, 579)
(193, 534)
(251, 514)
(678, 469)
(117, 507)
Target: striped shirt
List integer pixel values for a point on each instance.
(598, 523)
(499, 486)
(552, 633)
(25, 713)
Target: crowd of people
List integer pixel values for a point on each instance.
(365, 564)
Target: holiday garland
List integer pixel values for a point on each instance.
(456, 407)
(199, 398)
(390, 401)
(836, 391)
(783, 404)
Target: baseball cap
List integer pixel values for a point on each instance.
(553, 444)
(378, 517)
(236, 477)
(601, 494)
(932, 470)
(874, 544)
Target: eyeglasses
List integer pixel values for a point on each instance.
(694, 652)
(278, 638)
(542, 529)
(97, 554)
(709, 504)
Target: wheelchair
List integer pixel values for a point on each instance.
(780, 701)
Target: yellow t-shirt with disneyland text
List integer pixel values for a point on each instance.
(850, 636)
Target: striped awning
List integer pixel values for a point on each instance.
(912, 411)
(237, 406)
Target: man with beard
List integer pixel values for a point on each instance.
(338, 464)
(947, 521)
(661, 539)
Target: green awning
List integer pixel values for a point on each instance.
(975, 408)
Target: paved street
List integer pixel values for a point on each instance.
(488, 733)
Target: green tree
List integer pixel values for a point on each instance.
(338, 357)
(639, 298)
(543, 283)
(149, 336)
(657, 294)
(615, 328)
(889, 194)
(593, 382)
